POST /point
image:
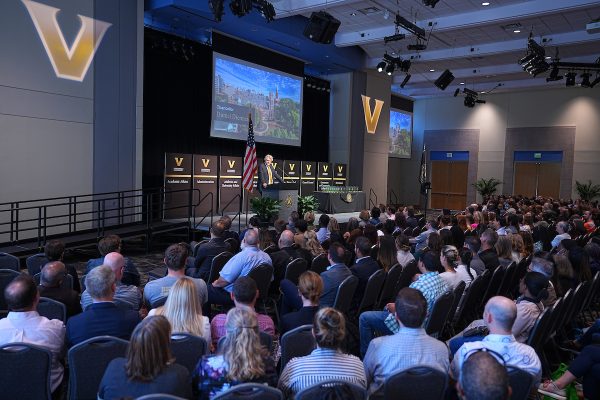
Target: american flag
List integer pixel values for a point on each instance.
(250, 165)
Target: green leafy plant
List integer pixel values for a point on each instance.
(265, 207)
(587, 191)
(306, 204)
(486, 187)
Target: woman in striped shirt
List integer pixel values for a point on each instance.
(327, 361)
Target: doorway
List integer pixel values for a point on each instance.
(537, 173)
(449, 172)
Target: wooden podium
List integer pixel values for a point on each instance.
(287, 193)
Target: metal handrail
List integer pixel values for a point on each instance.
(211, 211)
(376, 203)
(239, 213)
(395, 197)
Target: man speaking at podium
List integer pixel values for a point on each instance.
(267, 174)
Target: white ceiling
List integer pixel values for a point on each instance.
(468, 38)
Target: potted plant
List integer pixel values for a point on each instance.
(486, 187)
(265, 207)
(306, 204)
(587, 191)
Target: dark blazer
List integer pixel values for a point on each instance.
(304, 316)
(363, 270)
(332, 278)
(489, 258)
(205, 255)
(263, 176)
(101, 319)
(68, 297)
(458, 236)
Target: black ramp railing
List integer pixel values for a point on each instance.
(372, 195)
(239, 212)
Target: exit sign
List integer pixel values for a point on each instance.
(448, 155)
(537, 155)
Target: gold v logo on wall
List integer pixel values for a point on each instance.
(68, 63)
(231, 163)
(340, 168)
(308, 167)
(178, 161)
(292, 166)
(325, 168)
(205, 162)
(371, 118)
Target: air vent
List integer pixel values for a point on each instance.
(511, 27)
(369, 10)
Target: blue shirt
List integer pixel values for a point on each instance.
(242, 263)
(323, 234)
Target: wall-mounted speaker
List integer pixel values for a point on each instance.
(321, 27)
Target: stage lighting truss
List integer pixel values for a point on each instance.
(390, 64)
(240, 8)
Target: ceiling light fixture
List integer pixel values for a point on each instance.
(517, 31)
(381, 66)
(432, 70)
(390, 69)
(485, 3)
(570, 79)
(444, 80)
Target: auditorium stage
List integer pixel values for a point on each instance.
(342, 218)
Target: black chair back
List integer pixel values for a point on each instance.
(272, 248)
(25, 371)
(262, 275)
(439, 314)
(8, 261)
(217, 264)
(319, 263)
(539, 332)
(333, 389)
(416, 231)
(294, 269)
(159, 396)
(234, 245)
(405, 278)
(493, 286)
(196, 246)
(67, 282)
(417, 383)
(35, 263)
(389, 285)
(298, 342)
(6, 277)
(349, 257)
(250, 391)
(521, 383)
(372, 291)
(505, 287)
(188, 349)
(88, 361)
(592, 292)
(556, 311)
(52, 309)
(343, 298)
(458, 292)
(468, 311)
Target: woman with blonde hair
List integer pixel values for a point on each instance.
(309, 217)
(241, 358)
(504, 250)
(310, 289)
(183, 310)
(148, 367)
(518, 247)
(312, 244)
(327, 361)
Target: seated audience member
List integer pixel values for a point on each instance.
(428, 283)
(312, 244)
(546, 268)
(421, 240)
(408, 347)
(24, 324)
(309, 217)
(240, 359)
(587, 366)
(149, 367)
(184, 311)
(474, 244)
(464, 270)
(280, 226)
(403, 255)
(386, 252)
(504, 249)
(483, 378)
(126, 296)
(244, 295)
(325, 362)
(488, 253)
(310, 287)
(54, 250)
(518, 248)
(593, 250)
(219, 291)
(207, 251)
(51, 280)
(370, 232)
(112, 244)
(265, 239)
(323, 233)
(286, 254)
(363, 218)
(562, 230)
(450, 261)
(301, 228)
(335, 274)
(411, 220)
(375, 214)
(253, 223)
(334, 231)
(292, 221)
(175, 258)
(499, 317)
(364, 267)
(227, 232)
(102, 317)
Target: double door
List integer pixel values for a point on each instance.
(449, 184)
(537, 179)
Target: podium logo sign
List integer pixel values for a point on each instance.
(371, 118)
(68, 63)
(289, 202)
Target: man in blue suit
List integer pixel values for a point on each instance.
(102, 317)
(364, 267)
(335, 274)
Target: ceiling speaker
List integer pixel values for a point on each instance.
(321, 27)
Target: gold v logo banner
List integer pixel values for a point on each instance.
(292, 166)
(371, 118)
(178, 161)
(205, 162)
(68, 63)
(308, 167)
(340, 169)
(325, 168)
(231, 163)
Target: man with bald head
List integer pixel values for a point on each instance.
(126, 296)
(285, 255)
(219, 291)
(483, 378)
(51, 278)
(499, 316)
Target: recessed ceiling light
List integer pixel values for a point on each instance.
(432, 70)
(485, 3)
(482, 92)
(353, 14)
(517, 31)
(548, 57)
(462, 83)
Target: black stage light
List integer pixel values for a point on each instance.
(394, 38)
(470, 92)
(381, 66)
(570, 80)
(390, 69)
(430, 3)
(585, 79)
(216, 6)
(405, 81)
(444, 80)
(456, 92)
(469, 102)
(417, 46)
(404, 65)
(480, 101)
(554, 75)
(596, 81)
(409, 26)
(527, 59)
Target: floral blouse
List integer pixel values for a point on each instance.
(210, 377)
